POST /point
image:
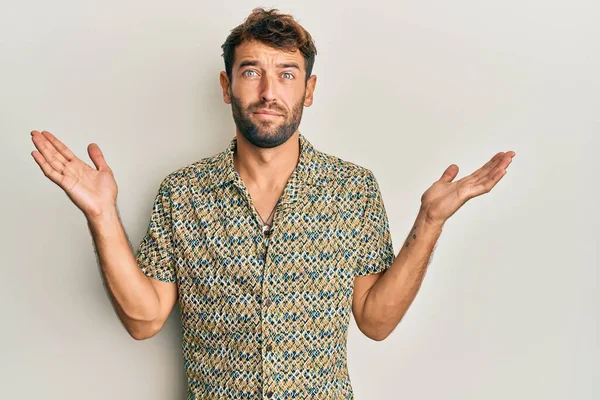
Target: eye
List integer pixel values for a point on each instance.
(288, 75)
(245, 73)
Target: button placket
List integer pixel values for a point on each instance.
(263, 246)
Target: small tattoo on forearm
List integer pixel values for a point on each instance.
(413, 236)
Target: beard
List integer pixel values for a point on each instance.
(266, 133)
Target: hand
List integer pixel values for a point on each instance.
(94, 191)
(445, 197)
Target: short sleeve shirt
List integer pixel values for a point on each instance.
(265, 316)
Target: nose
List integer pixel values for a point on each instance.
(267, 89)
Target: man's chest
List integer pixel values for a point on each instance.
(229, 270)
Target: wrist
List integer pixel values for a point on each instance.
(426, 219)
(107, 217)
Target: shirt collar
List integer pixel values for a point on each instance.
(223, 171)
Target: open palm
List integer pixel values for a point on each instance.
(93, 190)
(445, 197)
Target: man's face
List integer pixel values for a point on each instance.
(267, 93)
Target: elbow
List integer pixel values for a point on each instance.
(372, 332)
(141, 334)
(138, 337)
(379, 338)
(138, 334)
(141, 316)
(142, 330)
(379, 331)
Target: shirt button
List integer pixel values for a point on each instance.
(267, 302)
(270, 394)
(269, 348)
(261, 257)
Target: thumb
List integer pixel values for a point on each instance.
(97, 157)
(450, 173)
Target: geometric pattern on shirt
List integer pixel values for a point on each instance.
(266, 319)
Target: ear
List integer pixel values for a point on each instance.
(310, 89)
(224, 81)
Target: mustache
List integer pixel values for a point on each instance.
(263, 106)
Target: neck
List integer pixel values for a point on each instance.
(266, 169)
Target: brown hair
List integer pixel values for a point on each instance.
(272, 28)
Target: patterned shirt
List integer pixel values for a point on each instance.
(265, 316)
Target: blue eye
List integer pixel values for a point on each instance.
(246, 72)
(290, 75)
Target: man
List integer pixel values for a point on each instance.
(267, 245)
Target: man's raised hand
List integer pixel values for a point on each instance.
(445, 197)
(92, 190)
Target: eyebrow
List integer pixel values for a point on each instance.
(280, 65)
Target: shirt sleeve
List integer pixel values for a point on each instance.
(375, 251)
(155, 252)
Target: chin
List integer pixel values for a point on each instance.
(267, 128)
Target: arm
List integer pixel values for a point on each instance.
(382, 301)
(143, 304)
(384, 298)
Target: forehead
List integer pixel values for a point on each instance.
(254, 50)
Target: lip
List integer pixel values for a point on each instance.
(266, 112)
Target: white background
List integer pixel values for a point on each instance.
(509, 306)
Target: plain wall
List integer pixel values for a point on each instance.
(509, 305)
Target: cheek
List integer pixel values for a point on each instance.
(241, 92)
(293, 94)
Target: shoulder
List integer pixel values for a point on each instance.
(196, 174)
(336, 170)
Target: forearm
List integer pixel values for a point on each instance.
(138, 329)
(131, 291)
(392, 294)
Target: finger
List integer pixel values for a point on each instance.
(97, 157)
(60, 146)
(482, 188)
(52, 149)
(48, 151)
(499, 169)
(488, 182)
(503, 161)
(47, 169)
(450, 173)
(488, 166)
